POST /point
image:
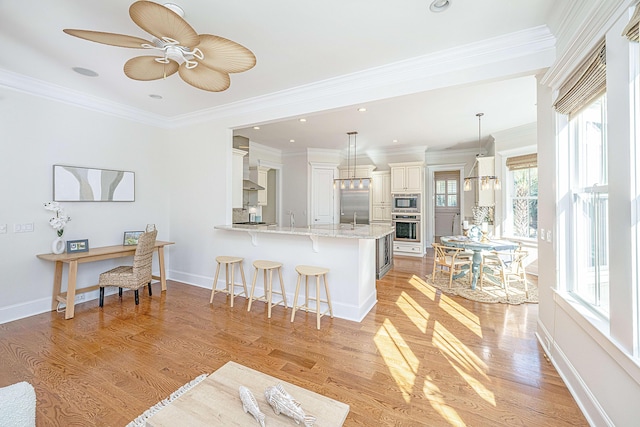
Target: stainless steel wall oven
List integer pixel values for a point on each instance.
(407, 227)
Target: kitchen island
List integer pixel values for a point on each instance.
(349, 252)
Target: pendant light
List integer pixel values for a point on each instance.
(486, 182)
(350, 181)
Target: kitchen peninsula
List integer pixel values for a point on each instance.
(348, 251)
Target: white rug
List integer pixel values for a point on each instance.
(142, 419)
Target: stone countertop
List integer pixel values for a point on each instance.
(360, 231)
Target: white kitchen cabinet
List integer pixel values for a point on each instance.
(236, 178)
(259, 175)
(408, 249)
(381, 196)
(381, 213)
(406, 177)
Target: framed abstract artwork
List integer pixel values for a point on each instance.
(79, 184)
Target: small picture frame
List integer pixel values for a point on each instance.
(74, 246)
(131, 238)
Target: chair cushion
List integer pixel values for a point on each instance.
(121, 277)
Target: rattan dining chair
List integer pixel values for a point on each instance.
(507, 267)
(132, 276)
(445, 259)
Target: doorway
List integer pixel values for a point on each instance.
(445, 201)
(446, 204)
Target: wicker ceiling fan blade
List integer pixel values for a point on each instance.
(205, 78)
(146, 68)
(161, 22)
(112, 39)
(225, 55)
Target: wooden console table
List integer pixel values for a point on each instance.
(95, 254)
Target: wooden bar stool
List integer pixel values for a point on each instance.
(229, 263)
(306, 271)
(267, 266)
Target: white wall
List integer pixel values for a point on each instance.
(596, 358)
(35, 134)
(200, 164)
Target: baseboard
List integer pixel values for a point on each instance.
(191, 279)
(342, 311)
(27, 309)
(587, 402)
(43, 305)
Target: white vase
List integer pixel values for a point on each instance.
(57, 247)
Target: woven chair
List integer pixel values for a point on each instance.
(132, 276)
(446, 259)
(507, 267)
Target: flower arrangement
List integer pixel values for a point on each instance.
(59, 221)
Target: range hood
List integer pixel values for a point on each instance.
(250, 185)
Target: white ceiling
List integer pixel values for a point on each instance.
(297, 44)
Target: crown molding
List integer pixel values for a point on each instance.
(403, 77)
(584, 24)
(412, 75)
(68, 96)
(265, 149)
(397, 151)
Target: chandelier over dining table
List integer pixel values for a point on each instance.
(486, 182)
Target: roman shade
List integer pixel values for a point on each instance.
(631, 30)
(586, 84)
(522, 162)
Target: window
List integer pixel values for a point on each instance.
(523, 196)
(446, 191)
(587, 134)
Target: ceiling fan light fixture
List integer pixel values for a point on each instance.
(179, 47)
(175, 9)
(438, 6)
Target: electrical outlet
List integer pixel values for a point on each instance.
(542, 234)
(79, 297)
(3, 228)
(23, 228)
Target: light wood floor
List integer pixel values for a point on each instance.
(419, 358)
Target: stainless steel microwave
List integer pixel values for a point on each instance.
(406, 203)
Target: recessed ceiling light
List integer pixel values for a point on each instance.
(154, 96)
(292, 140)
(362, 109)
(394, 141)
(302, 120)
(256, 127)
(439, 5)
(85, 72)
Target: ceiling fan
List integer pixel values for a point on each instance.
(202, 60)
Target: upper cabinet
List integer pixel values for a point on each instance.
(406, 177)
(236, 177)
(259, 175)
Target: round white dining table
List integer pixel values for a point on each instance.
(477, 247)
